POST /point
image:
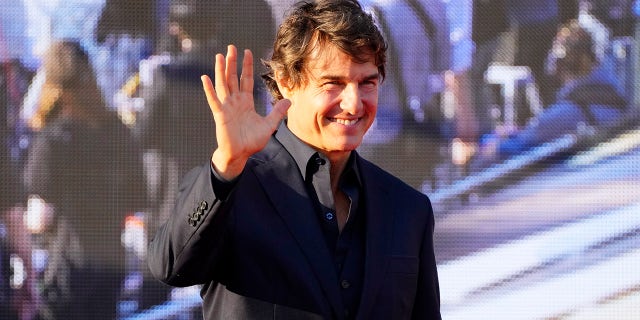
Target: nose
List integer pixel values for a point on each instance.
(351, 100)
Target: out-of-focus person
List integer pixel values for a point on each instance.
(488, 24)
(534, 24)
(83, 175)
(174, 132)
(18, 298)
(171, 128)
(589, 98)
(125, 33)
(518, 33)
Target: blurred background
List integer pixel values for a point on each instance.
(519, 119)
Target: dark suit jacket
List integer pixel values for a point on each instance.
(260, 253)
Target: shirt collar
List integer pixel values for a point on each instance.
(302, 153)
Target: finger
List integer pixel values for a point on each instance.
(277, 114)
(232, 68)
(221, 90)
(246, 78)
(210, 93)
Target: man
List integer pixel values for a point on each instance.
(295, 224)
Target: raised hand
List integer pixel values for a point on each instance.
(240, 130)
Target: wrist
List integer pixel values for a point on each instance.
(228, 168)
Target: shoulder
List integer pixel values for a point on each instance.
(378, 177)
(386, 194)
(58, 130)
(273, 151)
(598, 88)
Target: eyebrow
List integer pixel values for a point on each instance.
(336, 77)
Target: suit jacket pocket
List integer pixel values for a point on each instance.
(402, 285)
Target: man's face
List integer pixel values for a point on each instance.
(336, 106)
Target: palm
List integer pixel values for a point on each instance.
(240, 130)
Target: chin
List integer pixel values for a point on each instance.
(347, 145)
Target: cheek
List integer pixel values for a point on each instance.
(323, 108)
(304, 117)
(371, 105)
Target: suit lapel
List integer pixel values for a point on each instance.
(289, 196)
(379, 213)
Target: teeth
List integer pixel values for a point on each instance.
(346, 122)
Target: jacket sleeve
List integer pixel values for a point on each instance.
(187, 247)
(427, 303)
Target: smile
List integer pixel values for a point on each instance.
(345, 122)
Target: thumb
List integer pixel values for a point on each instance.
(279, 111)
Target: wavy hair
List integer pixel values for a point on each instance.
(310, 25)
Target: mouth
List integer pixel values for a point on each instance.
(345, 122)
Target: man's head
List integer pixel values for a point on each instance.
(328, 60)
(572, 54)
(316, 24)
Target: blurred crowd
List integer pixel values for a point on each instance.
(578, 65)
(103, 114)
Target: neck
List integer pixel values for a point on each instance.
(338, 161)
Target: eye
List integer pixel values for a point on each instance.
(333, 84)
(369, 84)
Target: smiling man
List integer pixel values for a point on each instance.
(287, 221)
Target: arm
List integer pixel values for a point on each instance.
(185, 250)
(176, 255)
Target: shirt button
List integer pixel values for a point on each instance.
(345, 284)
(329, 216)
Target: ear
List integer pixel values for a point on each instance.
(283, 85)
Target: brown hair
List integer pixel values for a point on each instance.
(69, 73)
(572, 53)
(309, 25)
